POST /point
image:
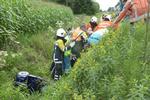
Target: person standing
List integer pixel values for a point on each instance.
(58, 55)
(105, 23)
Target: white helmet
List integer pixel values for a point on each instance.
(23, 74)
(61, 32)
(108, 17)
(94, 19)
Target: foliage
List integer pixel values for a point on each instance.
(84, 6)
(114, 69)
(34, 57)
(19, 17)
(34, 49)
(96, 7)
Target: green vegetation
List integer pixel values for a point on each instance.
(117, 68)
(114, 69)
(27, 17)
(81, 6)
(26, 40)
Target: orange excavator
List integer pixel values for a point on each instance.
(136, 9)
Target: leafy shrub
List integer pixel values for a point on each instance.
(10, 93)
(111, 70)
(84, 7)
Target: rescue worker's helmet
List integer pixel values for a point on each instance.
(61, 32)
(93, 19)
(108, 17)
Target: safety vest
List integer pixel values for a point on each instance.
(103, 25)
(67, 52)
(136, 9)
(59, 49)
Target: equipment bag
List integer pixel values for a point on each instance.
(35, 83)
(21, 78)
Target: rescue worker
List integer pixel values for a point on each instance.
(90, 27)
(106, 22)
(58, 55)
(100, 30)
(136, 9)
(67, 53)
(79, 37)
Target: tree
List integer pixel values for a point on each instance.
(81, 6)
(85, 6)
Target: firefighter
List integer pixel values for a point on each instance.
(58, 55)
(90, 27)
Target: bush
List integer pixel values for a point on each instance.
(81, 6)
(114, 69)
(87, 7)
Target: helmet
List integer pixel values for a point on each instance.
(108, 17)
(94, 19)
(23, 74)
(61, 32)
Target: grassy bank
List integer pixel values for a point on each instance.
(26, 40)
(29, 17)
(117, 68)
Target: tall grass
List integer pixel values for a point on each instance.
(21, 17)
(29, 30)
(114, 69)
